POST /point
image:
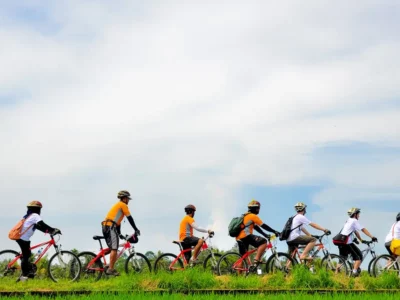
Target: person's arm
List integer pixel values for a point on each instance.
(132, 222)
(267, 228)
(305, 231)
(366, 232)
(198, 228)
(316, 226)
(43, 227)
(259, 230)
(358, 236)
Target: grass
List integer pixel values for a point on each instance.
(194, 279)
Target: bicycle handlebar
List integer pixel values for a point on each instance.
(319, 237)
(368, 242)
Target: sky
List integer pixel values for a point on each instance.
(210, 103)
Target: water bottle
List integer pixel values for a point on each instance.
(37, 254)
(259, 271)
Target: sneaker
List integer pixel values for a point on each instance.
(112, 272)
(192, 263)
(354, 274)
(253, 269)
(22, 278)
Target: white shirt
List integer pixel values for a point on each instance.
(31, 220)
(396, 232)
(298, 222)
(352, 225)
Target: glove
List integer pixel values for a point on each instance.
(121, 236)
(137, 232)
(277, 233)
(210, 232)
(374, 239)
(56, 231)
(356, 241)
(327, 231)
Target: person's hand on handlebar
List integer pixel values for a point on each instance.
(56, 231)
(210, 232)
(327, 231)
(374, 239)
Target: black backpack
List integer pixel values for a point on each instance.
(287, 229)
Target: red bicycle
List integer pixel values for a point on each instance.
(170, 262)
(62, 265)
(93, 266)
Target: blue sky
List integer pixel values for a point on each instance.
(206, 104)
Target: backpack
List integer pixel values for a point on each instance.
(16, 232)
(285, 233)
(236, 225)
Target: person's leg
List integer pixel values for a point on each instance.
(112, 240)
(26, 267)
(190, 242)
(197, 248)
(310, 242)
(357, 257)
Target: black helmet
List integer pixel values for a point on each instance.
(398, 217)
(190, 208)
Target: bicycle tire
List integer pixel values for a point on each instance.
(95, 271)
(226, 262)
(164, 261)
(6, 256)
(64, 265)
(141, 265)
(331, 261)
(210, 265)
(370, 266)
(380, 264)
(272, 266)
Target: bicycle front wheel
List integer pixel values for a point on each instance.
(64, 265)
(91, 271)
(280, 262)
(210, 264)
(167, 262)
(335, 263)
(385, 264)
(228, 265)
(371, 263)
(137, 263)
(6, 268)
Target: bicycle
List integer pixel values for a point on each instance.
(94, 265)
(62, 265)
(329, 261)
(386, 263)
(170, 262)
(365, 252)
(232, 263)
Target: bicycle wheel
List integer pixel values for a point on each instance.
(13, 271)
(64, 265)
(370, 266)
(211, 263)
(280, 262)
(137, 263)
(227, 265)
(385, 264)
(92, 272)
(167, 262)
(335, 263)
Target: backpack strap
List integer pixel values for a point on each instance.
(295, 227)
(394, 225)
(26, 230)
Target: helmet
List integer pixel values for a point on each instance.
(254, 203)
(398, 217)
(35, 204)
(352, 211)
(189, 208)
(300, 206)
(123, 193)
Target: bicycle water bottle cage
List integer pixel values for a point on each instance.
(179, 244)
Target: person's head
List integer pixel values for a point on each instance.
(398, 217)
(190, 209)
(34, 207)
(254, 207)
(300, 208)
(124, 196)
(354, 212)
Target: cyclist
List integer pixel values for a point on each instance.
(111, 227)
(299, 235)
(32, 222)
(394, 233)
(351, 226)
(186, 234)
(246, 237)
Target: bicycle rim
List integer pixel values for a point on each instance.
(164, 263)
(13, 271)
(280, 263)
(92, 272)
(64, 266)
(385, 264)
(211, 263)
(227, 265)
(335, 263)
(137, 263)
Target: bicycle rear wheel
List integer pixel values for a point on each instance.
(279, 262)
(335, 263)
(227, 265)
(385, 264)
(210, 264)
(167, 262)
(137, 263)
(64, 265)
(13, 271)
(92, 272)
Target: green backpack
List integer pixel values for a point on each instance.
(236, 226)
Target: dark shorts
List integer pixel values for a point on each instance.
(387, 246)
(300, 240)
(111, 236)
(188, 243)
(254, 240)
(352, 249)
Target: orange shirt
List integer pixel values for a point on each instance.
(186, 229)
(249, 221)
(117, 213)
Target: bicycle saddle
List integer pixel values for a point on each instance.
(98, 237)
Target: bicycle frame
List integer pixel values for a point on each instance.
(320, 247)
(239, 263)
